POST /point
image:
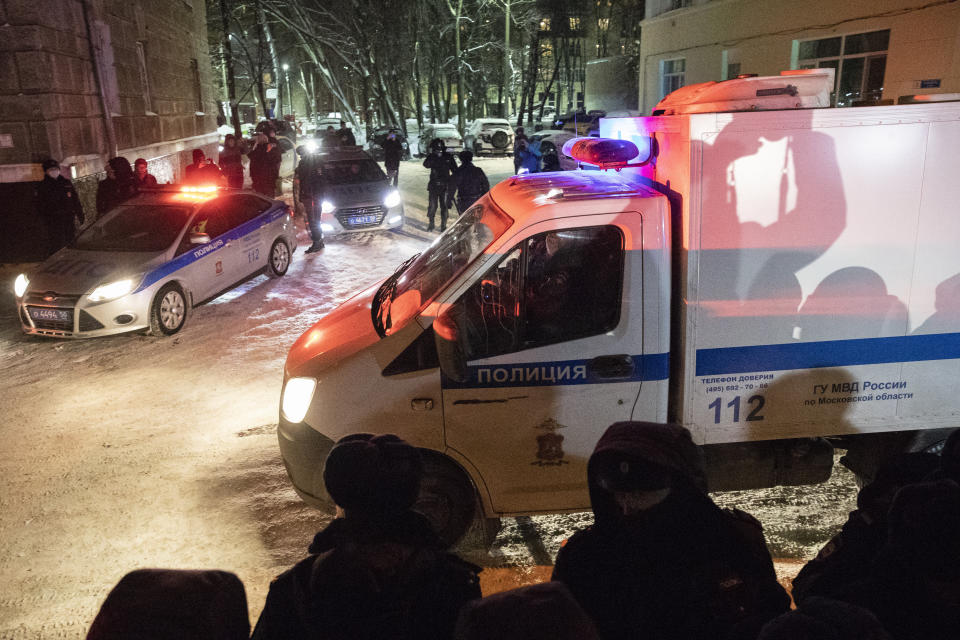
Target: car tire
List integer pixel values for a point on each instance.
(447, 499)
(278, 260)
(168, 313)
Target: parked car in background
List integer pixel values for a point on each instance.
(446, 132)
(489, 135)
(554, 139)
(375, 143)
(582, 123)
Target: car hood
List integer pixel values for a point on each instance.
(363, 193)
(74, 271)
(339, 334)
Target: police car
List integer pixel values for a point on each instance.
(147, 262)
(357, 194)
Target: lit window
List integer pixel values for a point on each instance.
(544, 24)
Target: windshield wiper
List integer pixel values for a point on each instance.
(381, 321)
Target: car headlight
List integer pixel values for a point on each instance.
(20, 285)
(327, 207)
(296, 398)
(111, 290)
(393, 199)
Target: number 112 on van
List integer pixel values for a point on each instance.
(732, 408)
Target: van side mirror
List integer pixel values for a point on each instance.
(453, 360)
(199, 238)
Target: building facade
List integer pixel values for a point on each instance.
(881, 49)
(85, 80)
(612, 51)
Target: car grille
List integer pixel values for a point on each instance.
(53, 300)
(88, 322)
(344, 216)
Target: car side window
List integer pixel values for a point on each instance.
(245, 207)
(212, 219)
(552, 287)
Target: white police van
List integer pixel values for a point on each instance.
(144, 264)
(778, 282)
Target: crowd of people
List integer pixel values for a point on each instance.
(450, 184)
(660, 561)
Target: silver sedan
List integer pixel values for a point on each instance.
(147, 262)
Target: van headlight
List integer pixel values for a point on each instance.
(296, 398)
(393, 199)
(111, 291)
(20, 285)
(327, 207)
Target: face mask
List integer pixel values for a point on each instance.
(53, 173)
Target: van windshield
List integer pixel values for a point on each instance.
(417, 281)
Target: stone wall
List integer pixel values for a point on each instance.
(51, 105)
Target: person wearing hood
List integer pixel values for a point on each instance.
(662, 560)
(544, 611)
(378, 570)
(467, 184)
(913, 586)
(265, 159)
(58, 206)
(119, 186)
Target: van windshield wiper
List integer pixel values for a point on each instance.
(379, 311)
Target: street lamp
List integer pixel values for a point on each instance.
(286, 81)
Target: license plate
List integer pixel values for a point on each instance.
(46, 313)
(369, 219)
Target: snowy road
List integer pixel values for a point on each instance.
(137, 451)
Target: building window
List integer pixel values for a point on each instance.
(195, 71)
(860, 61)
(671, 75)
(574, 24)
(544, 24)
(144, 78)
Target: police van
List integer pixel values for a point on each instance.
(146, 263)
(780, 282)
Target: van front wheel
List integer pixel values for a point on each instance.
(447, 499)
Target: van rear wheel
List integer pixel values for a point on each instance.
(447, 499)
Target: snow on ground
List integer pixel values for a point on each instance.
(135, 451)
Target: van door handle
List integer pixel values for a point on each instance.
(421, 404)
(613, 366)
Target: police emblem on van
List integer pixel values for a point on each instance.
(550, 445)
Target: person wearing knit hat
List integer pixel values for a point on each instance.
(661, 560)
(58, 206)
(378, 570)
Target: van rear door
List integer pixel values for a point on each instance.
(553, 349)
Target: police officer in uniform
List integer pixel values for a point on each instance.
(58, 206)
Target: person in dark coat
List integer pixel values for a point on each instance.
(441, 165)
(519, 143)
(378, 571)
(551, 161)
(821, 618)
(467, 183)
(345, 134)
(847, 557)
(143, 176)
(310, 186)
(662, 561)
(330, 139)
(174, 604)
(265, 159)
(203, 171)
(231, 161)
(914, 584)
(392, 154)
(119, 186)
(58, 206)
(543, 611)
